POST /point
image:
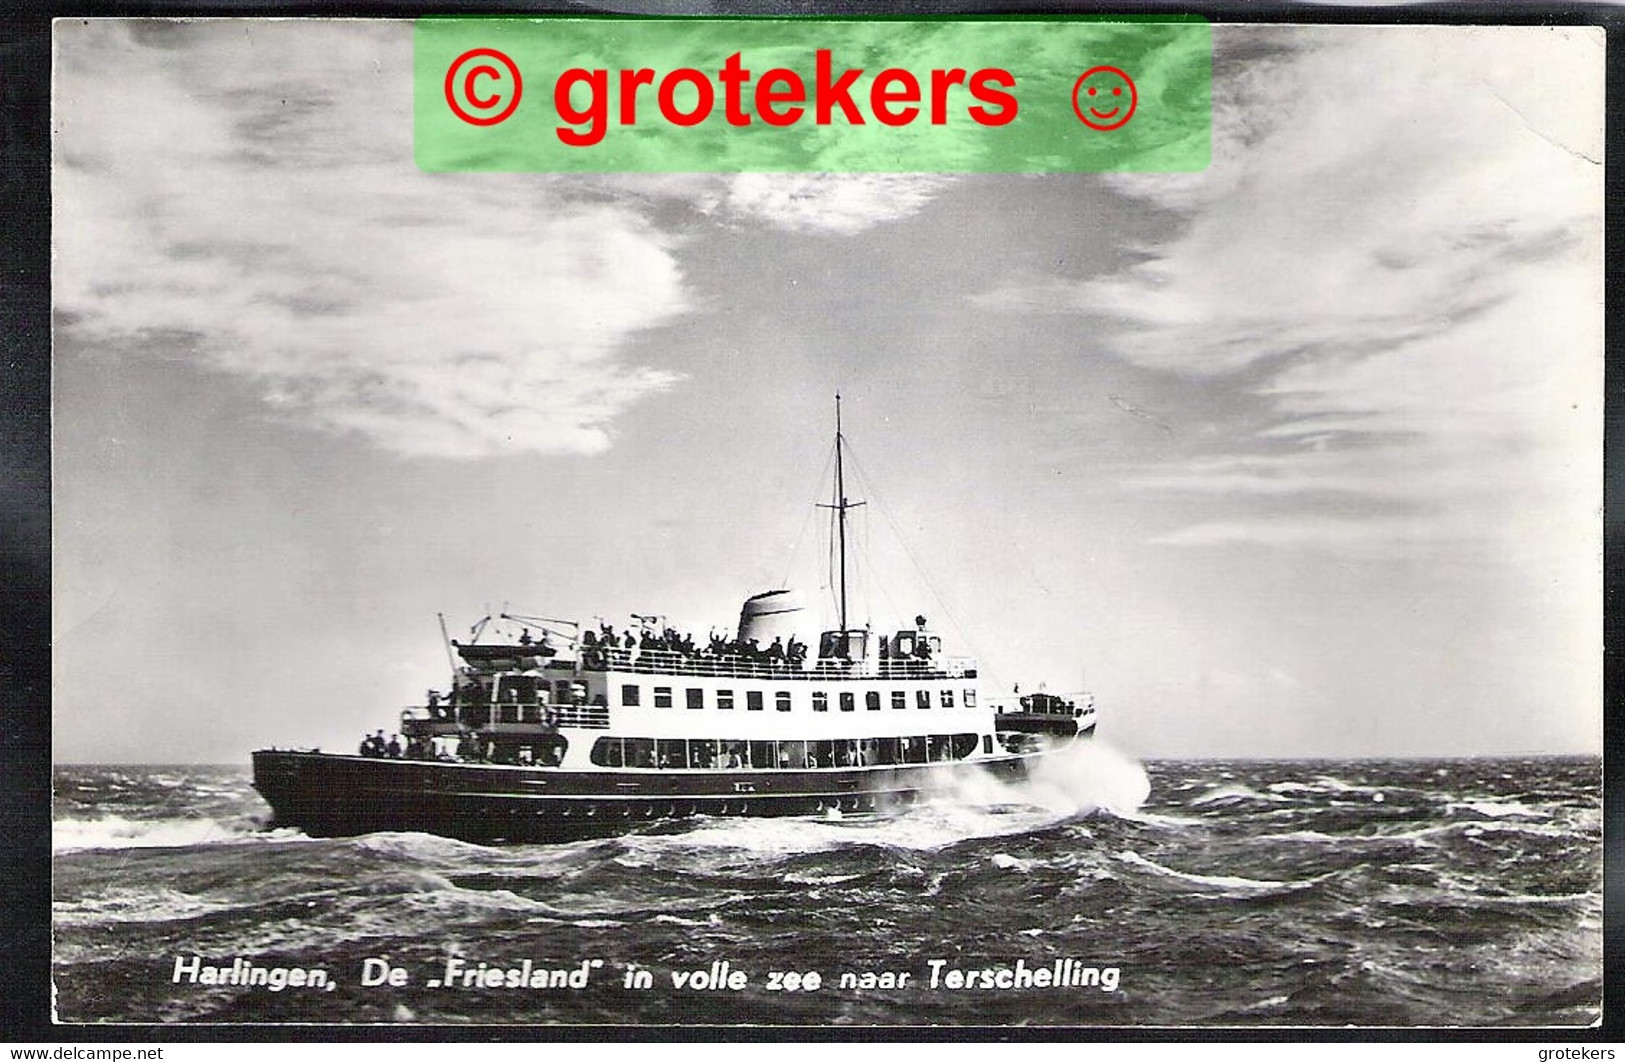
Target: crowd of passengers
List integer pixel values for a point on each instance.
(597, 645)
(373, 746)
(683, 646)
(471, 748)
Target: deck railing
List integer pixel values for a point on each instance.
(1074, 705)
(586, 716)
(705, 665)
(505, 713)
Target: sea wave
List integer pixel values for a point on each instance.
(1224, 882)
(1233, 792)
(123, 904)
(928, 826)
(119, 831)
(1440, 905)
(1497, 809)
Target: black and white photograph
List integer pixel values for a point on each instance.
(1124, 600)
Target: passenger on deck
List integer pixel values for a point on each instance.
(775, 652)
(394, 746)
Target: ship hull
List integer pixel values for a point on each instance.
(333, 795)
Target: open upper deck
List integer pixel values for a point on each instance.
(825, 669)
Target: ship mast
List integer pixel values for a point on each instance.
(841, 506)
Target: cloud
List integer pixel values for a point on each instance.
(219, 185)
(1398, 248)
(835, 203)
(243, 194)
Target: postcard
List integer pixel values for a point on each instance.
(1047, 522)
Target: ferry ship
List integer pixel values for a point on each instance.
(552, 730)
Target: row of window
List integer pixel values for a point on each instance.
(846, 701)
(731, 754)
(528, 689)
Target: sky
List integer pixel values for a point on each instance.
(1300, 455)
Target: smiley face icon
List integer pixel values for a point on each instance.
(1104, 98)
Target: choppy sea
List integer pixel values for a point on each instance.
(1212, 893)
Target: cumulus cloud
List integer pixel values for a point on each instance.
(243, 194)
(834, 203)
(221, 194)
(1398, 247)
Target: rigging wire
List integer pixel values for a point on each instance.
(930, 585)
(806, 521)
(829, 559)
(868, 561)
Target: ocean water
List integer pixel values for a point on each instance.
(1311, 893)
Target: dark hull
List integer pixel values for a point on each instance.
(331, 795)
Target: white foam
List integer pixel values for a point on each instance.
(1218, 881)
(1316, 837)
(963, 804)
(425, 846)
(1005, 861)
(1235, 792)
(116, 831)
(1088, 776)
(1497, 809)
(126, 904)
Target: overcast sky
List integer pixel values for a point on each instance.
(1297, 456)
